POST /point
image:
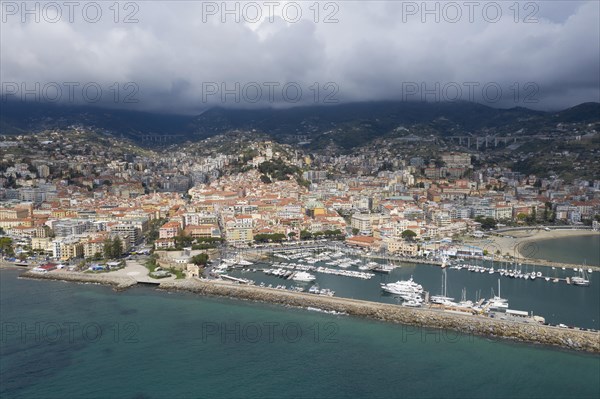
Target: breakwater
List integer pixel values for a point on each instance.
(118, 282)
(427, 318)
(579, 340)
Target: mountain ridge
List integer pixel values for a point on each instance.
(346, 125)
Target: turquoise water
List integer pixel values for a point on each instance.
(173, 345)
(579, 250)
(555, 302)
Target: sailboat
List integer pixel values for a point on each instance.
(497, 302)
(582, 279)
(443, 299)
(464, 303)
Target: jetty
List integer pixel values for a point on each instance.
(481, 325)
(581, 340)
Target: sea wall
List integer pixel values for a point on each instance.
(119, 282)
(429, 318)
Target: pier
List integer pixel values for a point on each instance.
(477, 324)
(465, 323)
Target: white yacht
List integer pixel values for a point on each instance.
(303, 276)
(403, 287)
(244, 263)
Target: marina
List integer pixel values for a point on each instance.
(530, 290)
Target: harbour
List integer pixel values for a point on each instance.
(542, 291)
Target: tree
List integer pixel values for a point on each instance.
(108, 248)
(355, 231)
(305, 235)
(291, 235)
(117, 247)
(486, 223)
(199, 260)
(408, 235)
(182, 241)
(6, 246)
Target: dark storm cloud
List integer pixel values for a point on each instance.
(182, 57)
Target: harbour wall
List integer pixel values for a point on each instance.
(427, 318)
(587, 341)
(118, 282)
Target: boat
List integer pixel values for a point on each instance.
(244, 263)
(403, 287)
(496, 302)
(444, 262)
(464, 303)
(314, 289)
(303, 276)
(581, 280)
(326, 292)
(443, 299)
(411, 303)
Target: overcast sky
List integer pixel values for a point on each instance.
(184, 57)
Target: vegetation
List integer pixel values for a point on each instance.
(6, 246)
(275, 237)
(179, 274)
(335, 234)
(151, 263)
(305, 235)
(199, 260)
(408, 235)
(183, 241)
(276, 169)
(113, 248)
(486, 223)
(155, 225)
(206, 243)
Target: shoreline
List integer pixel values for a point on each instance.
(572, 339)
(522, 243)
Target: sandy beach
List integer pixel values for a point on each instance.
(520, 244)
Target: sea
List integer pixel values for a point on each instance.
(583, 250)
(66, 340)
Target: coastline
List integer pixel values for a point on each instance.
(572, 339)
(521, 244)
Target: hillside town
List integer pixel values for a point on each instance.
(71, 199)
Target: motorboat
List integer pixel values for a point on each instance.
(303, 276)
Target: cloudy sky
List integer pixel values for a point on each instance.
(186, 56)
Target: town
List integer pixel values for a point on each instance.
(69, 199)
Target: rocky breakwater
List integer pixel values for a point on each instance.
(118, 282)
(426, 318)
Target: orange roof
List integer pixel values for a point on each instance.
(361, 239)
